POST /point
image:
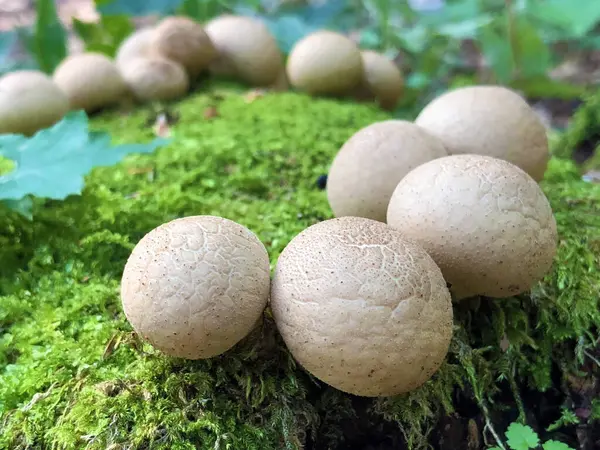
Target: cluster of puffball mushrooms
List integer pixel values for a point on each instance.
(428, 213)
(161, 63)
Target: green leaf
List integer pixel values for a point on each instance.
(578, 17)
(556, 445)
(543, 86)
(521, 437)
(532, 54)
(49, 38)
(496, 50)
(106, 35)
(137, 7)
(53, 163)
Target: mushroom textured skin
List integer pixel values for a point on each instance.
(362, 308)
(325, 63)
(155, 78)
(135, 45)
(185, 41)
(369, 166)
(247, 50)
(485, 222)
(491, 121)
(382, 78)
(91, 81)
(196, 286)
(29, 102)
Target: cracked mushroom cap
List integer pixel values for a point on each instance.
(491, 121)
(362, 308)
(247, 50)
(136, 44)
(194, 287)
(325, 63)
(485, 222)
(382, 79)
(368, 167)
(184, 40)
(91, 81)
(155, 78)
(30, 101)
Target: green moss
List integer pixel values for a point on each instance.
(584, 129)
(73, 375)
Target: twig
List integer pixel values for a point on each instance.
(592, 357)
(489, 426)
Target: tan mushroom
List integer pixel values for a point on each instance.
(196, 286)
(325, 63)
(91, 81)
(485, 222)
(491, 121)
(30, 101)
(247, 50)
(362, 308)
(368, 167)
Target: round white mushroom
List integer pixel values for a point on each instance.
(368, 167)
(362, 308)
(247, 50)
(490, 121)
(196, 286)
(155, 78)
(30, 101)
(138, 43)
(485, 222)
(184, 40)
(325, 63)
(91, 81)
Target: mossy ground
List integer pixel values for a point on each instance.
(72, 375)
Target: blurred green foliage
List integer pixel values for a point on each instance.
(517, 38)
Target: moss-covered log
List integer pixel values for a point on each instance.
(73, 375)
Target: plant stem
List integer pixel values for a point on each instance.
(512, 37)
(489, 426)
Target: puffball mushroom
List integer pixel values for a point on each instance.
(155, 78)
(491, 121)
(382, 79)
(195, 286)
(325, 63)
(247, 50)
(485, 222)
(136, 44)
(91, 81)
(30, 101)
(368, 167)
(362, 308)
(184, 40)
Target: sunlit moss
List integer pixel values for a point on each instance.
(72, 374)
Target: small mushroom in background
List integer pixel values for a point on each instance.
(136, 44)
(30, 101)
(382, 80)
(369, 166)
(91, 81)
(185, 41)
(362, 308)
(247, 50)
(485, 222)
(325, 63)
(196, 286)
(491, 121)
(155, 78)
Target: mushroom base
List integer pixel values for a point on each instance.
(72, 374)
